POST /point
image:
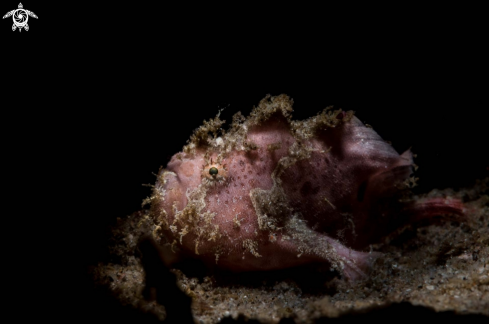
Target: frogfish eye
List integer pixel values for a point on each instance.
(213, 171)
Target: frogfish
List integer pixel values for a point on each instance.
(271, 192)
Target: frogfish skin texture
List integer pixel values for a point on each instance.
(271, 192)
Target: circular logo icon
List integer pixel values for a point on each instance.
(20, 17)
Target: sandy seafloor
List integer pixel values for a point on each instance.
(442, 266)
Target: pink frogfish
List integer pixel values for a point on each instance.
(271, 192)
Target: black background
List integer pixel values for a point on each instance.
(96, 99)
